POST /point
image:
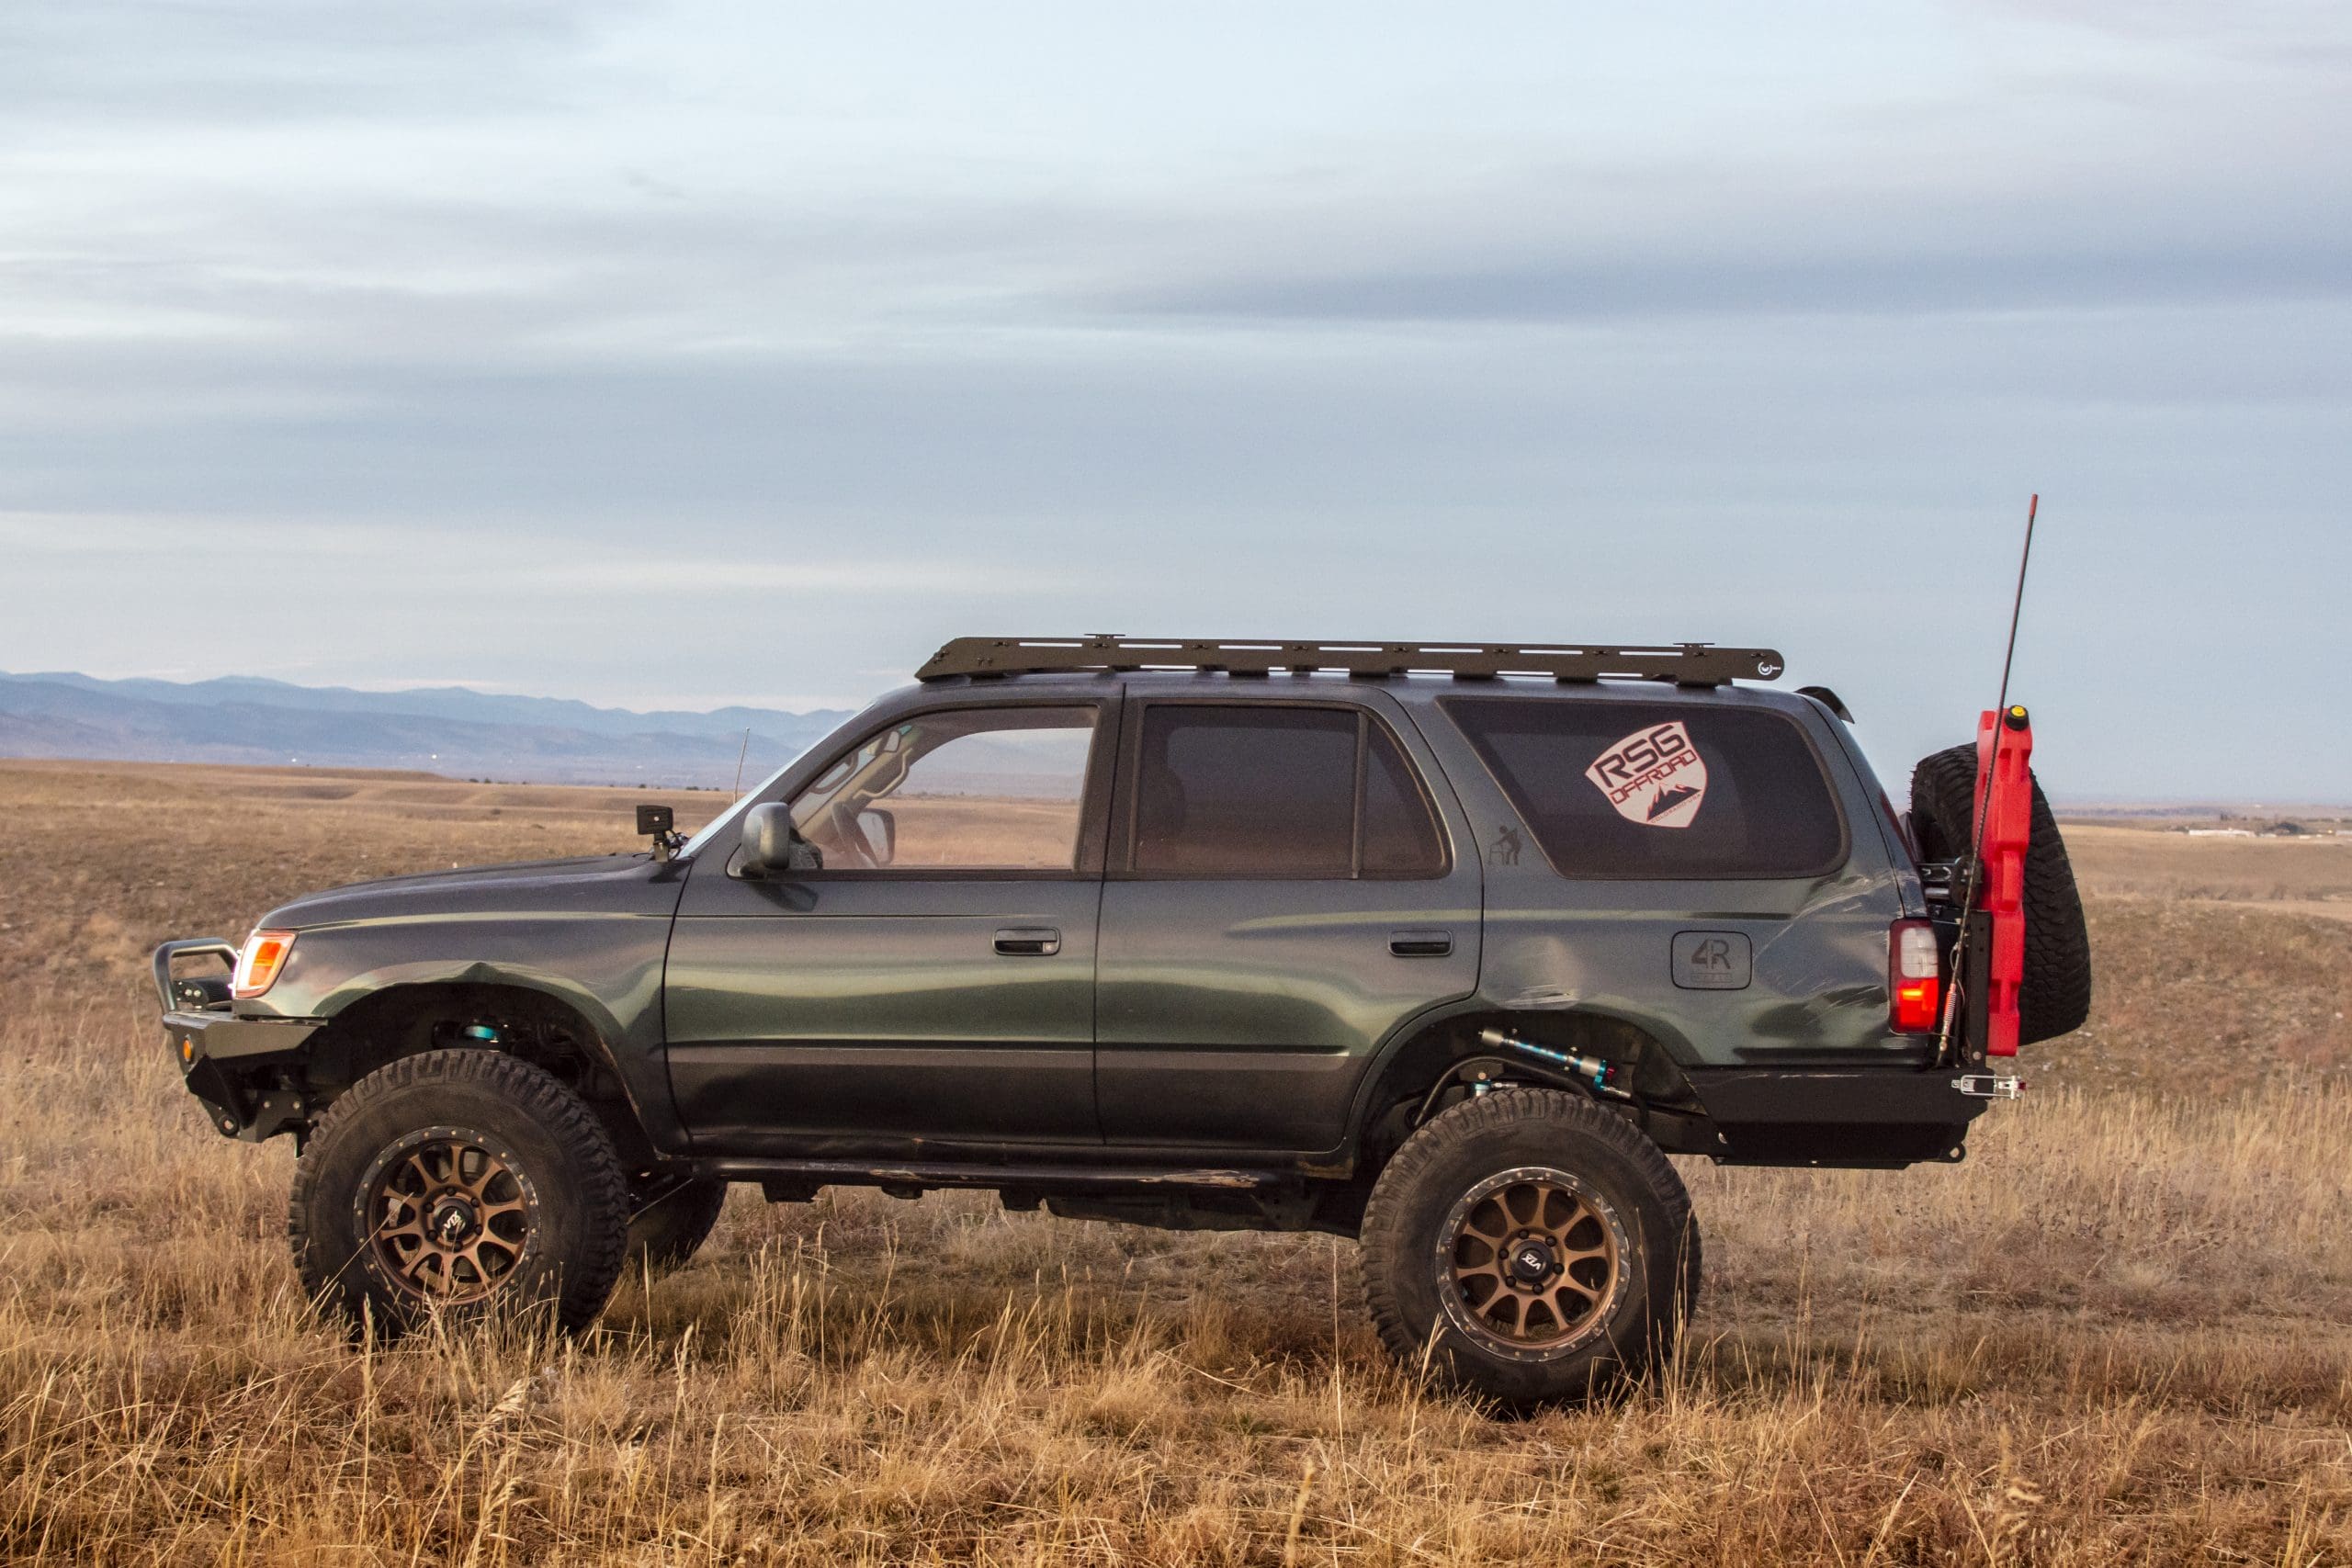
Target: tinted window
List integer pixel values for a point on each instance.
(1246, 791)
(973, 789)
(1399, 833)
(1266, 791)
(1653, 789)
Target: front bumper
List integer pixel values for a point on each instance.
(226, 1062)
(230, 1063)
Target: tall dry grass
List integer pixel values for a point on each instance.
(2121, 1333)
(2117, 1334)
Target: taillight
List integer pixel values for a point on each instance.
(1915, 984)
(259, 965)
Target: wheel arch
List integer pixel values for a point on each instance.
(1416, 1060)
(388, 1015)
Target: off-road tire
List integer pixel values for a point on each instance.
(573, 1194)
(1408, 1262)
(671, 1219)
(2054, 996)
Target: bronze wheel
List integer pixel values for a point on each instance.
(1527, 1246)
(1532, 1260)
(449, 1215)
(462, 1183)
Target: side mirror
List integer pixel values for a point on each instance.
(771, 844)
(881, 830)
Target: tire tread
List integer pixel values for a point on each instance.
(1475, 1120)
(602, 1189)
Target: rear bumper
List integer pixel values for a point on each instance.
(1866, 1118)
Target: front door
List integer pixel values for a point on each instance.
(1285, 897)
(935, 980)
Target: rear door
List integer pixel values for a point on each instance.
(1285, 893)
(935, 979)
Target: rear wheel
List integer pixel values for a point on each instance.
(2054, 994)
(1532, 1246)
(463, 1182)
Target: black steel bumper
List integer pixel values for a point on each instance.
(1865, 1118)
(225, 1060)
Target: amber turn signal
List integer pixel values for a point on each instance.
(259, 965)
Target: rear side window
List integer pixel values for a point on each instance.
(1399, 834)
(1653, 789)
(1264, 791)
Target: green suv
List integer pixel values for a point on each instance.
(1442, 948)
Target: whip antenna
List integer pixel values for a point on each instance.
(2016, 604)
(745, 750)
(1984, 791)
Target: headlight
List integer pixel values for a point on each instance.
(259, 965)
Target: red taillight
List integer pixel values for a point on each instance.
(257, 966)
(1915, 984)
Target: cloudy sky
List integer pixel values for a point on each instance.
(679, 355)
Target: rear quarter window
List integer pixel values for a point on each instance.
(1659, 790)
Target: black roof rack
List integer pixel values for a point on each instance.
(1685, 663)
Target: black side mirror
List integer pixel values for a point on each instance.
(771, 844)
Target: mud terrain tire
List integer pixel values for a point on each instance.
(2054, 997)
(671, 1219)
(464, 1182)
(1556, 1170)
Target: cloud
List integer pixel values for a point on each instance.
(503, 561)
(621, 352)
(934, 578)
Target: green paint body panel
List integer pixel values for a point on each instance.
(871, 1015)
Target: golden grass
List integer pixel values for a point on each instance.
(2314, 875)
(2121, 1333)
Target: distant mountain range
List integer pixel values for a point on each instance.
(441, 730)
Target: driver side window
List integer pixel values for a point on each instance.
(970, 789)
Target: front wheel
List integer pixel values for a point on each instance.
(463, 1182)
(1532, 1247)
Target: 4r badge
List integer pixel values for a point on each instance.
(1653, 777)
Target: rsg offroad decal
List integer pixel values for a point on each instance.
(1653, 777)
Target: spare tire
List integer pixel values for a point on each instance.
(2055, 995)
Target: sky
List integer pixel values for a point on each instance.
(679, 355)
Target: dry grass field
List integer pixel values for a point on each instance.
(2121, 1333)
(2310, 876)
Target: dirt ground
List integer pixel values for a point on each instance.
(2122, 1332)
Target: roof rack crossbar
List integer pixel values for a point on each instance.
(1685, 663)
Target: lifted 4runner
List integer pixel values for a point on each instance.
(1444, 948)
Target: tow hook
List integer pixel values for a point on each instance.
(1989, 1086)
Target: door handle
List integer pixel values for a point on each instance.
(1420, 944)
(1029, 941)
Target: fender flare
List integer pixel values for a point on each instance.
(646, 1088)
(1672, 1043)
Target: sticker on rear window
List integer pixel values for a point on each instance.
(1653, 777)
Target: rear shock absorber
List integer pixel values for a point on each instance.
(1603, 1075)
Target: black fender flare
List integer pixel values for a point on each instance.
(645, 1081)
